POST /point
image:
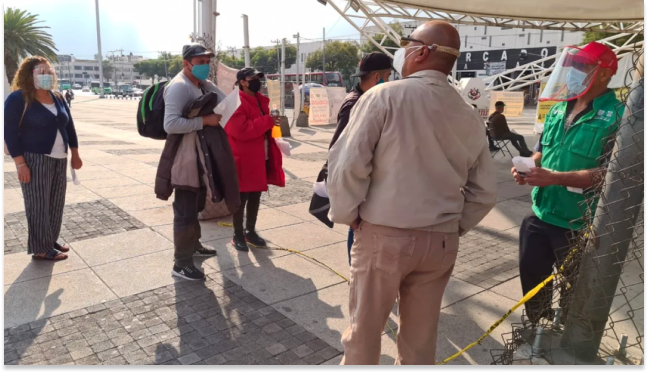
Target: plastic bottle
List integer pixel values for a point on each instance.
(276, 130)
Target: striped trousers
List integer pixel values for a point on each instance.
(44, 201)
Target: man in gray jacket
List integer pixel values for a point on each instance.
(182, 90)
(411, 173)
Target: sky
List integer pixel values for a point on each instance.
(145, 27)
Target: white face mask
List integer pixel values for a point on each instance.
(44, 81)
(399, 59)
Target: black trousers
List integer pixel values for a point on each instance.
(542, 246)
(491, 143)
(517, 141)
(186, 227)
(250, 201)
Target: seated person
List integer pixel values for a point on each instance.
(501, 131)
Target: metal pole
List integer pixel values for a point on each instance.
(194, 17)
(323, 53)
(297, 109)
(283, 75)
(101, 90)
(303, 93)
(616, 216)
(246, 40)
(214, 18)
(206, 18)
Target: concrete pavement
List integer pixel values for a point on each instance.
(114, 300)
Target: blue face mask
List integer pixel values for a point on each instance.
(201, 72)
(575, 81)
(381, 81)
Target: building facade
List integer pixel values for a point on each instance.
(487, 50)
(80, 71)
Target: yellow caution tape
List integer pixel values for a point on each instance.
(524, 299)
(497, 323)
(222, 224)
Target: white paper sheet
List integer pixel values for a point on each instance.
(319, 187)
(75, 179)
(284, 146)
(523, 164)
(228, 106)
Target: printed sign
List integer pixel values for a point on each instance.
(226, 78)
(274, 93)
(542, 110)
(494, 68)
(297, 97)
(511, 58)
(514, 102)
(319, 112)
(336, 97)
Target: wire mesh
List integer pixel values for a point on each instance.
(592, 313)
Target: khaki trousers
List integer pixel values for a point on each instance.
(389, 262)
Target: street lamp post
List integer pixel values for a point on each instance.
(101, 90)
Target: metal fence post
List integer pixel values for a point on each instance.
(612, 231)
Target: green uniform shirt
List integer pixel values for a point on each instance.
(579, 147)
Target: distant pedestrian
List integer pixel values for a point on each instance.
(38, 131)
(375, 68)
(69, 96)
(497, 123)
(258, 158)
(182, 162)
(413, 171)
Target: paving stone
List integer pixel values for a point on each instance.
(302, 351)
(271, 328)
(287, 357)
(98, 218)
(116, 361)
(291, 342)
(130, 331)
(109, 354)
(102, 346)
(216, 360)
(317, 344)
(314, 359)
(81, 353)
(276, 349)
(189, 359)
(147, 341)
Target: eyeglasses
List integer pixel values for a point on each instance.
(405, 42)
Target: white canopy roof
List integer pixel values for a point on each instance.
(559, 10)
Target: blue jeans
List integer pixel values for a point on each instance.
(350, 243)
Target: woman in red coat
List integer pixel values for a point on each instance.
(257, 156)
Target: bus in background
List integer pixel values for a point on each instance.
(94, 88)
(330, 79)
(64, 84)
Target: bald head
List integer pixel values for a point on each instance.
(440, 33)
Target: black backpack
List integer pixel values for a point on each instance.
(150, 112)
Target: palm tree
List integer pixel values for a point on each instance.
(24, 37)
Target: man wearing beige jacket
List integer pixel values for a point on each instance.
(411, 172)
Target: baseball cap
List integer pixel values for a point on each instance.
(248, 72)
(195, 50)
(500, 103)
(373, 61)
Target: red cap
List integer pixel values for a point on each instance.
(607, 59)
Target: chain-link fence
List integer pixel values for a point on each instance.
(593, 311)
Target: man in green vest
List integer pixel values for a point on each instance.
(570, 157)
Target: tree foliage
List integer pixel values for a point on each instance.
(341, 56)
(594, 36)
(108, 69)
(152, 67)
(24, 37)
(368, 47)
(263, 59)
